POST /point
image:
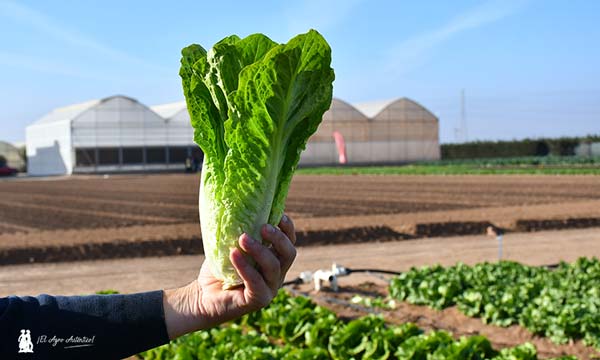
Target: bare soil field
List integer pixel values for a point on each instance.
(92, 217)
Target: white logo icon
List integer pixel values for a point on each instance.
(25, 344)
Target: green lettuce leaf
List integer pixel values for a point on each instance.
(253, 104)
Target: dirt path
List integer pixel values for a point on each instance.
(131, 275)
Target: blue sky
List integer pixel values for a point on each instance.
(530, 68)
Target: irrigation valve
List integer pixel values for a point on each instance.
(329, 276)
(321, 276)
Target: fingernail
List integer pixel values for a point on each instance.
(285, 219)
(270, 228)
(248, 239)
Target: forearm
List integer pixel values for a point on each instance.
(185, 312)
(180, 316)
(96, 326)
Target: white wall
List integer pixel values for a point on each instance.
(49, 149)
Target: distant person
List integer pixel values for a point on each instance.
(188, 164)
(118, 326)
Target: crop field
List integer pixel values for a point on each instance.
(368, 326)
(296, 328)
(46, 218)
(120, 201)
(539, 165)
(364, 294)
(556, 306)
(448, 312)
(561, 304)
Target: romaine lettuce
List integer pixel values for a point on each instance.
(253, 104)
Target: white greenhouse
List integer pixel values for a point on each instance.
(113, 134)
(380, 132)
(119, 134)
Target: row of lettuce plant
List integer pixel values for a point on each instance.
(521, 161)
(562, 304)
(296, 328)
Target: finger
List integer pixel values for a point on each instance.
(287, 226)
(254, 284)
(282, 245)
(267, 262)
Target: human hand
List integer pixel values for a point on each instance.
(204, 304)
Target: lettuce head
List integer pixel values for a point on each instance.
(253, 104)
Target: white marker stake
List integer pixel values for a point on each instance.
(499, 237)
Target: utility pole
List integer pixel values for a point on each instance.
(463, 117)
(457, 135)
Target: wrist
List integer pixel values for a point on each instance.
(181, 310)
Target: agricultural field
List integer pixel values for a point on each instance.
(561, 304)
(525, 161)
(447, 312)
(360, 294)
(370, 321)
(295, 327)
(539, 165)
(96, 217)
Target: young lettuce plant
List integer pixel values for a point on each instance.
(253, 104)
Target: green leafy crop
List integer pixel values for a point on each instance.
(297, 328)
(253, 104)
(562, 304)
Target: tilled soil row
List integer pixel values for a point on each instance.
(164, 241)
(126, 200)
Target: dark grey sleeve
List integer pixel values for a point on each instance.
(81, 327)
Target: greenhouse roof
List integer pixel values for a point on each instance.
(372, 108)
(71, 112)
(169, 110)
